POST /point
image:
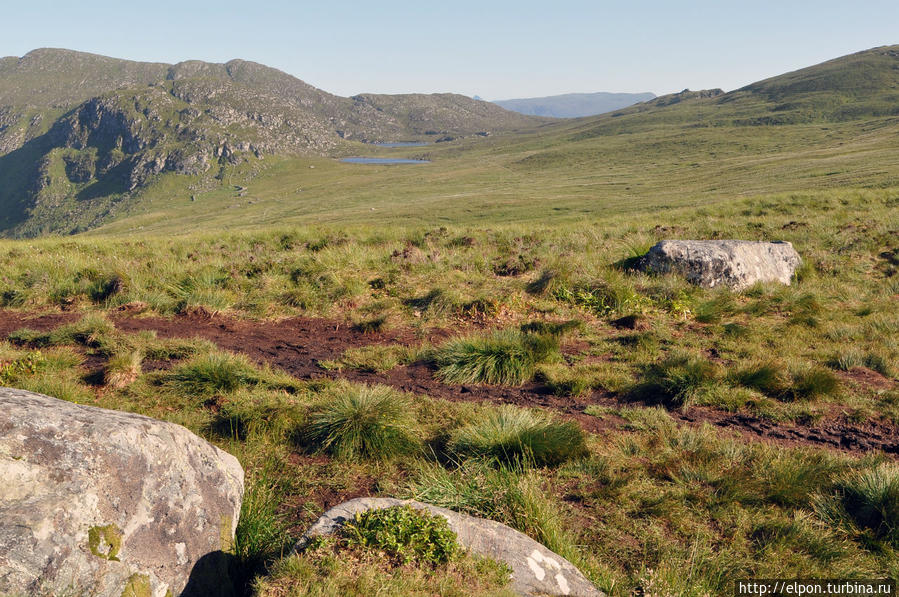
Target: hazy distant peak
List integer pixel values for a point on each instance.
(574, 105)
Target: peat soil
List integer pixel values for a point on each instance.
(297, 345)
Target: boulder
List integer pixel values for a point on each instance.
(737, 264)
(108, 503)
(535, 569)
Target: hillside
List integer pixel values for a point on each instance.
(244, 145)
(80, 133)
(574, 105)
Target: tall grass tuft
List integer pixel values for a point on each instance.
(123, 369)
(357, 421)
(506, 357)
(677, 380)
(871, 499)
(213, 372)
(261, 536)
(516, 435)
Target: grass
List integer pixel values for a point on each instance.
(511, 434)
(504, 357)
(363, 422)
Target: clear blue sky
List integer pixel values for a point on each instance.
(495, 49)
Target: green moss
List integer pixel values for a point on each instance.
(138, 585)
(105, 542)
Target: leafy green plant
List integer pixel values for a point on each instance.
(24, 366)
(512, 434)
(358, 421)
(404, 533)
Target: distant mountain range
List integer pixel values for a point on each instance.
(574, 105)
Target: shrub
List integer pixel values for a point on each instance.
(511, 434)
(505, 357)
(363, 421)
(407, 534)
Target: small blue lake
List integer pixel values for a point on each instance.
(402, 144)
(383, 161)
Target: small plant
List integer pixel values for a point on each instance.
(261, 535)
(404, 533)
(505, 357)
(511, 434)
(371, 326)
(363, 422)
(812, 382)
(768, 378)
(25, 366)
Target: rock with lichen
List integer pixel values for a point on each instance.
(108, 503)
(737, 264)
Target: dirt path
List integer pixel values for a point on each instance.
(297, 345)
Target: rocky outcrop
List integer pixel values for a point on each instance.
(736, 264)
(535, 569)
(101, 502)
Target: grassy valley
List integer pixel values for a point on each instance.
(471, 332)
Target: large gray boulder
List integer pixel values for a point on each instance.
(535, 569)
(737, 264)
(109, 504)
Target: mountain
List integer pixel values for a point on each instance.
(79, 132)
(574, 105)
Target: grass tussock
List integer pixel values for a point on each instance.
(870, 499)
(505, 357)
(514, 435)
(368, 422)
(677, 380)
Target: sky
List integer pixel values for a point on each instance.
(494, 49)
